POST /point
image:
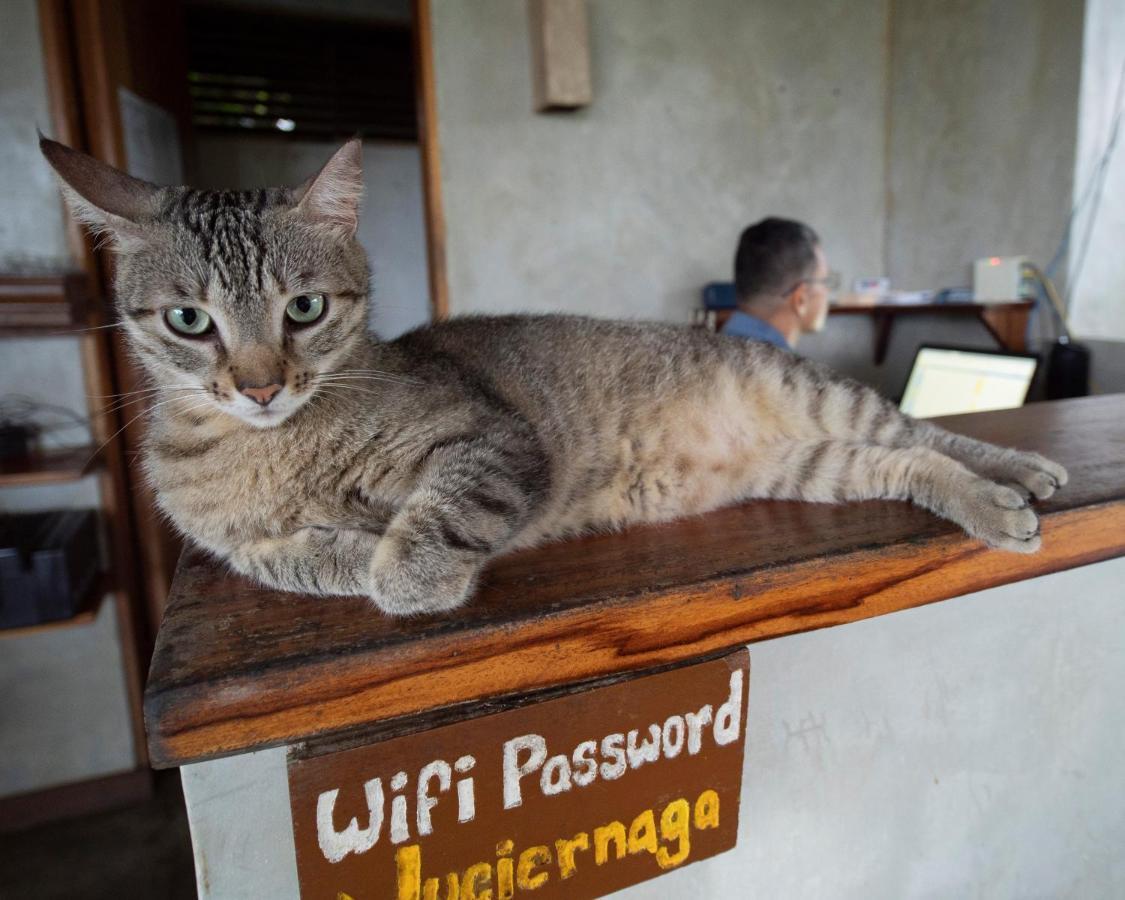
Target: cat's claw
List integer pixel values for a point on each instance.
(1037, 474)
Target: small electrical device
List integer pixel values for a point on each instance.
(1002, 279)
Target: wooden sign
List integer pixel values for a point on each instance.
(570, 798)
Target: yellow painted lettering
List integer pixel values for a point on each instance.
(615, 832)
(505, 872)
(408, 868)
(642, 833)
(565, 849)
(477, 883)
(529, 859)
(707, 810)
(675, 825)
(452, 888)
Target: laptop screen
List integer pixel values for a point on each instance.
(946, 381)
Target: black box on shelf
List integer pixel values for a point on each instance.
(49, 562)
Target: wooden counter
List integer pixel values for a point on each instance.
(238, 667)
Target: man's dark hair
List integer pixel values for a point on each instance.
(773, 255)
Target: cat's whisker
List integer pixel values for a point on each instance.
(341, 393)
(343, 388)
(337, 395)
(354, 379)
(146, 390)
(353, 387)
(345, 381)
(332, 399)
(116, 407)
(204, 404)
(122, 395)
(378, 372)
(145, 412)
(121, 404)
(375, 373)
(359, 378)
(72, 331)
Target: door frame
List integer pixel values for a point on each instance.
(430, 146)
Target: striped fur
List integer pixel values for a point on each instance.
(399, 469)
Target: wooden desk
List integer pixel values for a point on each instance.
(238, 667)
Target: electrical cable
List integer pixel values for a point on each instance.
(1115, 132)
(1095, 186)
(1052, 295)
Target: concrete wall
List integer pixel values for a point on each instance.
(915, 135)
(965, 749)
(705, 118)
(981, 122)
(64, 714)
(1098, 290)
(391, 226)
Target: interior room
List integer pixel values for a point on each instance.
(919, 204)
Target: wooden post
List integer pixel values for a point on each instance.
(426, 93)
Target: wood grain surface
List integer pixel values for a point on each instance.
(239, 667)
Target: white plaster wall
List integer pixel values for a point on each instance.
(966, 749)
(969, 748)
(241, 827)
(1098, 293)
(391, 227)
(705, 117)
(981, 127)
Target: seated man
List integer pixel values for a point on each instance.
(782, 280)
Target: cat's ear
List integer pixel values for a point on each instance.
(331, 197)
(101, 197)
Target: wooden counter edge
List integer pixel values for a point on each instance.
(192, 723)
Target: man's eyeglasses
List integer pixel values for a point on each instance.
(831, 283)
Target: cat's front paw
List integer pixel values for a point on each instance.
(998, 515)
(405, 582)
(1039, 476)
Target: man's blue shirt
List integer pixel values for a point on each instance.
(752, 328)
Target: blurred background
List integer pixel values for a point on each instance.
(917, 137)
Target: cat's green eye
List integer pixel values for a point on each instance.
(306, 308)
(189, 320)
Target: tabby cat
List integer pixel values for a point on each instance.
(287, 439)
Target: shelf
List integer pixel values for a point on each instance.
(1006, 322)
(52, 467)
(239, 667)
(42, 304)
(86, 614)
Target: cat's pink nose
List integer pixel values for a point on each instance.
(261, 395)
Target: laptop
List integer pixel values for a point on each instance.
(945, 381)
